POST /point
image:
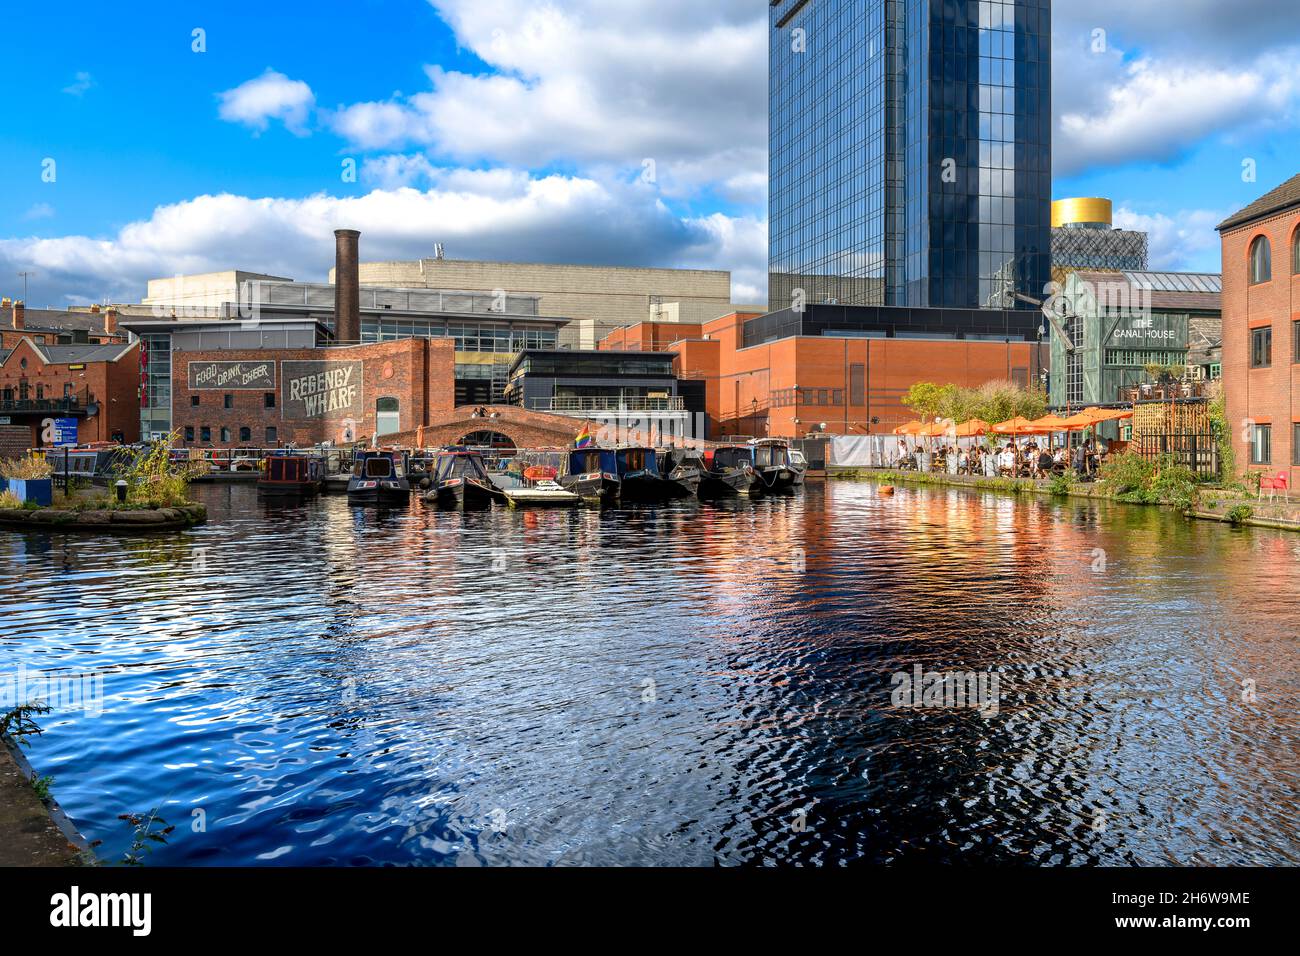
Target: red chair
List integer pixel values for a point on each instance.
(1280, 482)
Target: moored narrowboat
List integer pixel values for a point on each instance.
(639, 479)
(592, 474)
(776, 474)
(730, 471)
(290, 476)
(683, 468)
(379, 479)
(460, 480)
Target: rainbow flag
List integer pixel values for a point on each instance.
(584, 438)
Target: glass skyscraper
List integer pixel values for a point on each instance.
(910, 152)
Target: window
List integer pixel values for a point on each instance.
(225, 436)
(194, 401)
(1295, 444)
(40, 392)
(227, 401)
(271, 437)
(1261, 261)
(205, 433)
(1261, 445)
(268, 399)
(1295, 341)
(245, 434)
(67, 389)
(1261, 347)
(1295, 253)
(189, 433)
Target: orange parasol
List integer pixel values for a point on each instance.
(972, 428)
(1019, 426)
(911, 428)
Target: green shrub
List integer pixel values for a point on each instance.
(1127, 474)
(1240, 514)
(1062, 484)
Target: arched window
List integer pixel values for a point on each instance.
(1295, 253)
(1261, 261)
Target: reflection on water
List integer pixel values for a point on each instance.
(685, 685)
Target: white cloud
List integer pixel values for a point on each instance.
(270, 96)
(80, 84)
(40, 210)
(496, 214)
(1157, 110)
(599, 84)
(1185, 241)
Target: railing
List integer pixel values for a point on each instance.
(566, 406)
(70, 403)
(1163, 393)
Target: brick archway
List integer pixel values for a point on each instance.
(527, 429)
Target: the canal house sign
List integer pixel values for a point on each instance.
(232, 376)
(321, 390)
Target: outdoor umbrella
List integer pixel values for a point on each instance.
(972, 429)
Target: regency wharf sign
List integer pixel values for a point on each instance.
(321, 390)
(232, 376)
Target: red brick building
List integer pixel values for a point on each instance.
(1261, 331)
(264, 398)
(792, 385)
(56, 326)
(95, 384)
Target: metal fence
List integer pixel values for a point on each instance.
(1197, 451)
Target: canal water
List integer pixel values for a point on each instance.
(692, 684)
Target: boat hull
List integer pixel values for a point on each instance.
(385, 494)
(715, 484)
(595, 486)
(466, 493)
(777, 480)
(646, 488)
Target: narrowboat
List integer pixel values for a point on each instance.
(460, 480)
(776, 475)
(683, 468)
(379, 478)
(290, 476)
(592, 474)
(639, 478)
(730, 471)
(799, 464)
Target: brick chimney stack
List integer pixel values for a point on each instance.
(347, 287)
(110, 322)
(19, 312)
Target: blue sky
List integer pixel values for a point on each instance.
(576, 130)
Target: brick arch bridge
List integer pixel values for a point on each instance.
(527, 429)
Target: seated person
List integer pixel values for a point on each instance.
(1007, 461)
(1045, 462)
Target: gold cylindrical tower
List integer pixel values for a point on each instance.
(1092, 211)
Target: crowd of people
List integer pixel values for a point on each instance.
(1012, 460)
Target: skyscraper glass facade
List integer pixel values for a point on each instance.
(910, 151)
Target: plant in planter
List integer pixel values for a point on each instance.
(28, 479)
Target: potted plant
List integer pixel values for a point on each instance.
(28, 479)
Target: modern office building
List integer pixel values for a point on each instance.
(1261, 331)
(630, 392)
(1134, 333)
(910, 152)
(1084, 238)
